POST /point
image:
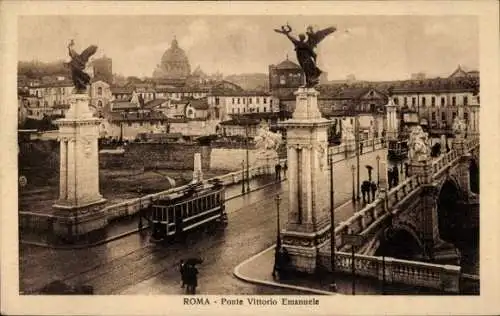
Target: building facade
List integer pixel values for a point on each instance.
(438, 102)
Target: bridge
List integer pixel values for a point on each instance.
(439, 194)
(414, 213)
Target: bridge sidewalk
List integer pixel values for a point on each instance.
(258, 270)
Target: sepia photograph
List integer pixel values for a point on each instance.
(248, 159)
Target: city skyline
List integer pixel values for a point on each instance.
(398, 46)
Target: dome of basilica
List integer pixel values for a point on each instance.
(174, 63)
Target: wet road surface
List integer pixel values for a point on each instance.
(132, 265)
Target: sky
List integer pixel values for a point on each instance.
(370, 47)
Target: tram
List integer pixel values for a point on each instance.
(398, 149)
(197, 206)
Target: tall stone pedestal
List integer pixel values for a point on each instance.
(78, 209)
(392, 121)
(308, 222)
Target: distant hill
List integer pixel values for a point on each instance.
(255, 81)
(36, 69)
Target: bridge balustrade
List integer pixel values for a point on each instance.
(441, 277)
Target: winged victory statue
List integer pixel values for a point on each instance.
(305, 50)
(77, 64)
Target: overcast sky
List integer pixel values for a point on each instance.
(370, 47)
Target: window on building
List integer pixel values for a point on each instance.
(413, 102)
(466, 100)
(99, 103)
(466, 116)
(249, 100)
(405, 101)
(265, 109)
(454, 115)
(257, 100)
(243, 100)
(433, 101)
(217, 101)
(282, 80)
(433, 116)
(233, 100)
(443, 116)
(238, 100)
(99, 91)
(244, 109)
(396, 101)
(423, 101)
(454, 101)
(258, 110)
(351, 121)
(477, 99)
(442, 101)
(265, 101)
(232, 110)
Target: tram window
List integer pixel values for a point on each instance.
(184, 208)
(170, 214)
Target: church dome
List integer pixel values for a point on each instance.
(174, 62)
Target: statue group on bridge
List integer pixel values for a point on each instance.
(267, 140)
(419, 144)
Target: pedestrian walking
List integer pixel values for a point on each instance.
(374, 190)
(277, 170)
(191, 279)
(285, 168)
(395, 175)
(360, 148)
(182, 270)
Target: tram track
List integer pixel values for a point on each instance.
(140, 265)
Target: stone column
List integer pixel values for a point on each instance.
(462, 170)
(392, 121)
(307, 228)
(197, 170)
(443, 142)
(79, 196)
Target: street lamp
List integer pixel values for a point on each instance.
(278, 238)
(333, 285)
(248, 163)
(378, 170)
(243, 177)
(356, 123)
(353, 189)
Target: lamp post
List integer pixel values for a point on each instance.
(333, 285)
(353, 189)
(248, 163)
(378, 170)
(278, 238)
(243, 176)
(357, 154)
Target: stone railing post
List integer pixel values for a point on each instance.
(450, 279)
